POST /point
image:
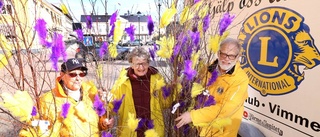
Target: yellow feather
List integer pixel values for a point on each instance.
(224, 35)
(20, 105)
(167, 16)
(6, 51)
(132, 122)
(194, 58)
(214, 43)
(113, 50)
(196, 89)
(118, 31)
(196, 6)
(159, 84)
(122, 78)
(151, 133)
(185, 15)
(100, 71)
(203, 11)
(166, 47)
(64, 9)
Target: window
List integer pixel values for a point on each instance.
(7, 7)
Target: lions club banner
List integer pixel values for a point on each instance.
(281, 41)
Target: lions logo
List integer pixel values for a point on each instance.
(277, 49)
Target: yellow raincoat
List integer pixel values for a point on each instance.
(230, 92)
(123, 86)
(81, 121)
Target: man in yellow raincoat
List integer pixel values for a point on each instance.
(229, 91)
(68, 107)
(139, 86)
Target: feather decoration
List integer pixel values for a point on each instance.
(196, 89)
(130, 31)
(64, 9)
(214, 43)
(117, 103)
(151, 133)
(150, 25)
(20, 104)
(122, 78)
(132, 122)
(7, 54)
(166, 47)
(65, 109)
(186, 15)
(167, 16)
(98, 106)
(118, 31)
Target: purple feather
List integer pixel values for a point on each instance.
(225, 22)
(41, 30)
(58, 49)
(106, 134)
(113, 18)
(89, 22)
(98, 106)
(34, 111)
(65, 109)
(152, 53)
(130, 31)
(1, 5)
(214, 76)
(210, 101)
(111, 31)
(176, 50)
(150, 124)
(103, 49)
(150, 25)
(117, 104)
(188, 71)
(206, 23)
(195, 1)
(79, 34)
(141, 123)
(166, 91)
(195, 36)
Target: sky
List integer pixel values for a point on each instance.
(146, 7)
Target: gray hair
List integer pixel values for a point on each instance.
(139, 52)
(231, 41)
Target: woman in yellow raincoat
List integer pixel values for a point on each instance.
(139, 87)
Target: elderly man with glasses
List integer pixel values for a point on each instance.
(229, 91)
(69, 106)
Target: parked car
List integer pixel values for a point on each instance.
(132, 43)
(150, 43)
(91, 53)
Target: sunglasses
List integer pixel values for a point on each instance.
(82, 74)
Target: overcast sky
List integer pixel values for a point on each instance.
(146, 7)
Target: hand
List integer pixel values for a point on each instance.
(184, 119)
(108, 123)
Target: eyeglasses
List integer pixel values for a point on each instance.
(224, 55)
(82, 74)
(136, 65)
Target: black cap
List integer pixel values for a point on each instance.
(72, 64)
